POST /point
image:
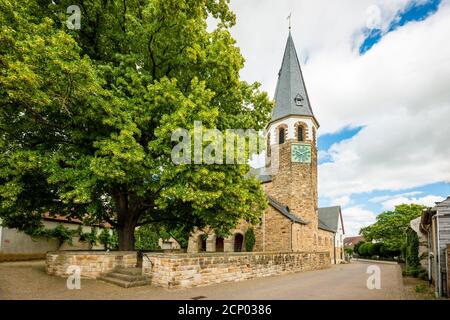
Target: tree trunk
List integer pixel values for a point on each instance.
(126, 236)
(127, 219)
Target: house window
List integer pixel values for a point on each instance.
(281, 135)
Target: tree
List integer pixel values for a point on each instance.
(250, 240)
(87, 115)
(391, 226)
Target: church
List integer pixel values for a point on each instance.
(293, 222)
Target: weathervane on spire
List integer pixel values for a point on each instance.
(289, 18)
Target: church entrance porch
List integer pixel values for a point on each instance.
(219, 245)
(238, 242)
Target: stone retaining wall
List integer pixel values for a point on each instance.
(92, 263)
(176, 271)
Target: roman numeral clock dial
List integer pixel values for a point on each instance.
(301, 153)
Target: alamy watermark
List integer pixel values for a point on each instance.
(74, 280)
(74, 20)
(212, 146)
(374, 280)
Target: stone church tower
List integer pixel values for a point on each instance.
(292, 161)
(292, 137)
(292, 222)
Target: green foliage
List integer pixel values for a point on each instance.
(114, 241)
(61, 233)
(87, 115)
(420, 288)
(391, 226)
(91, 237)
(357, 246)
(412, 250)
(375, 249)
(250, 240)
(363, 249)
(348, 251)
(105, 238)
(147, 238)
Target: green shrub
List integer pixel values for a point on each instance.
(420, 288)
(114, 241)
(147, 238)
(412, 249)
(105, 238)
(364, 249)
(91, 237)
(250, 240)
(412, 271)
(357, 246)
(61, 233)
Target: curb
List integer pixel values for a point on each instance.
(376, 261)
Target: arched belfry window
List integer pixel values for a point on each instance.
(301, 131)
(300, 136)
(281, 135)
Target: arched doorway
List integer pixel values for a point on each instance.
(238, 242)
(219, 244)
(201, 242)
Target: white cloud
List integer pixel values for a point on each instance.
(399, 90)
(428, 201)
(356, 218)
(385, 198)
(341, 201)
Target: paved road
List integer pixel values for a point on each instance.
(28, 280)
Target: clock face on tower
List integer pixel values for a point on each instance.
(301, 153)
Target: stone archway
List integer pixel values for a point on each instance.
(201, 243)
(238, 242)
(219, 244)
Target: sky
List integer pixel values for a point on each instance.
(378, 77)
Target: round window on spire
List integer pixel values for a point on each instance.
(299, 100)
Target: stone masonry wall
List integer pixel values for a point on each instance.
(277, 236)
(175, 271)
(92, 263)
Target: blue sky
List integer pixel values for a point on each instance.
(379, 200)
(373, 200)
(413, 12)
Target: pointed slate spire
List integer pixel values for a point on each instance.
(291, 97)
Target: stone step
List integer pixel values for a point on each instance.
(128, 271)
(126, 277)
(124, 283)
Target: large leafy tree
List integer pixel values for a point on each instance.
(391, 227)
(87, 115)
